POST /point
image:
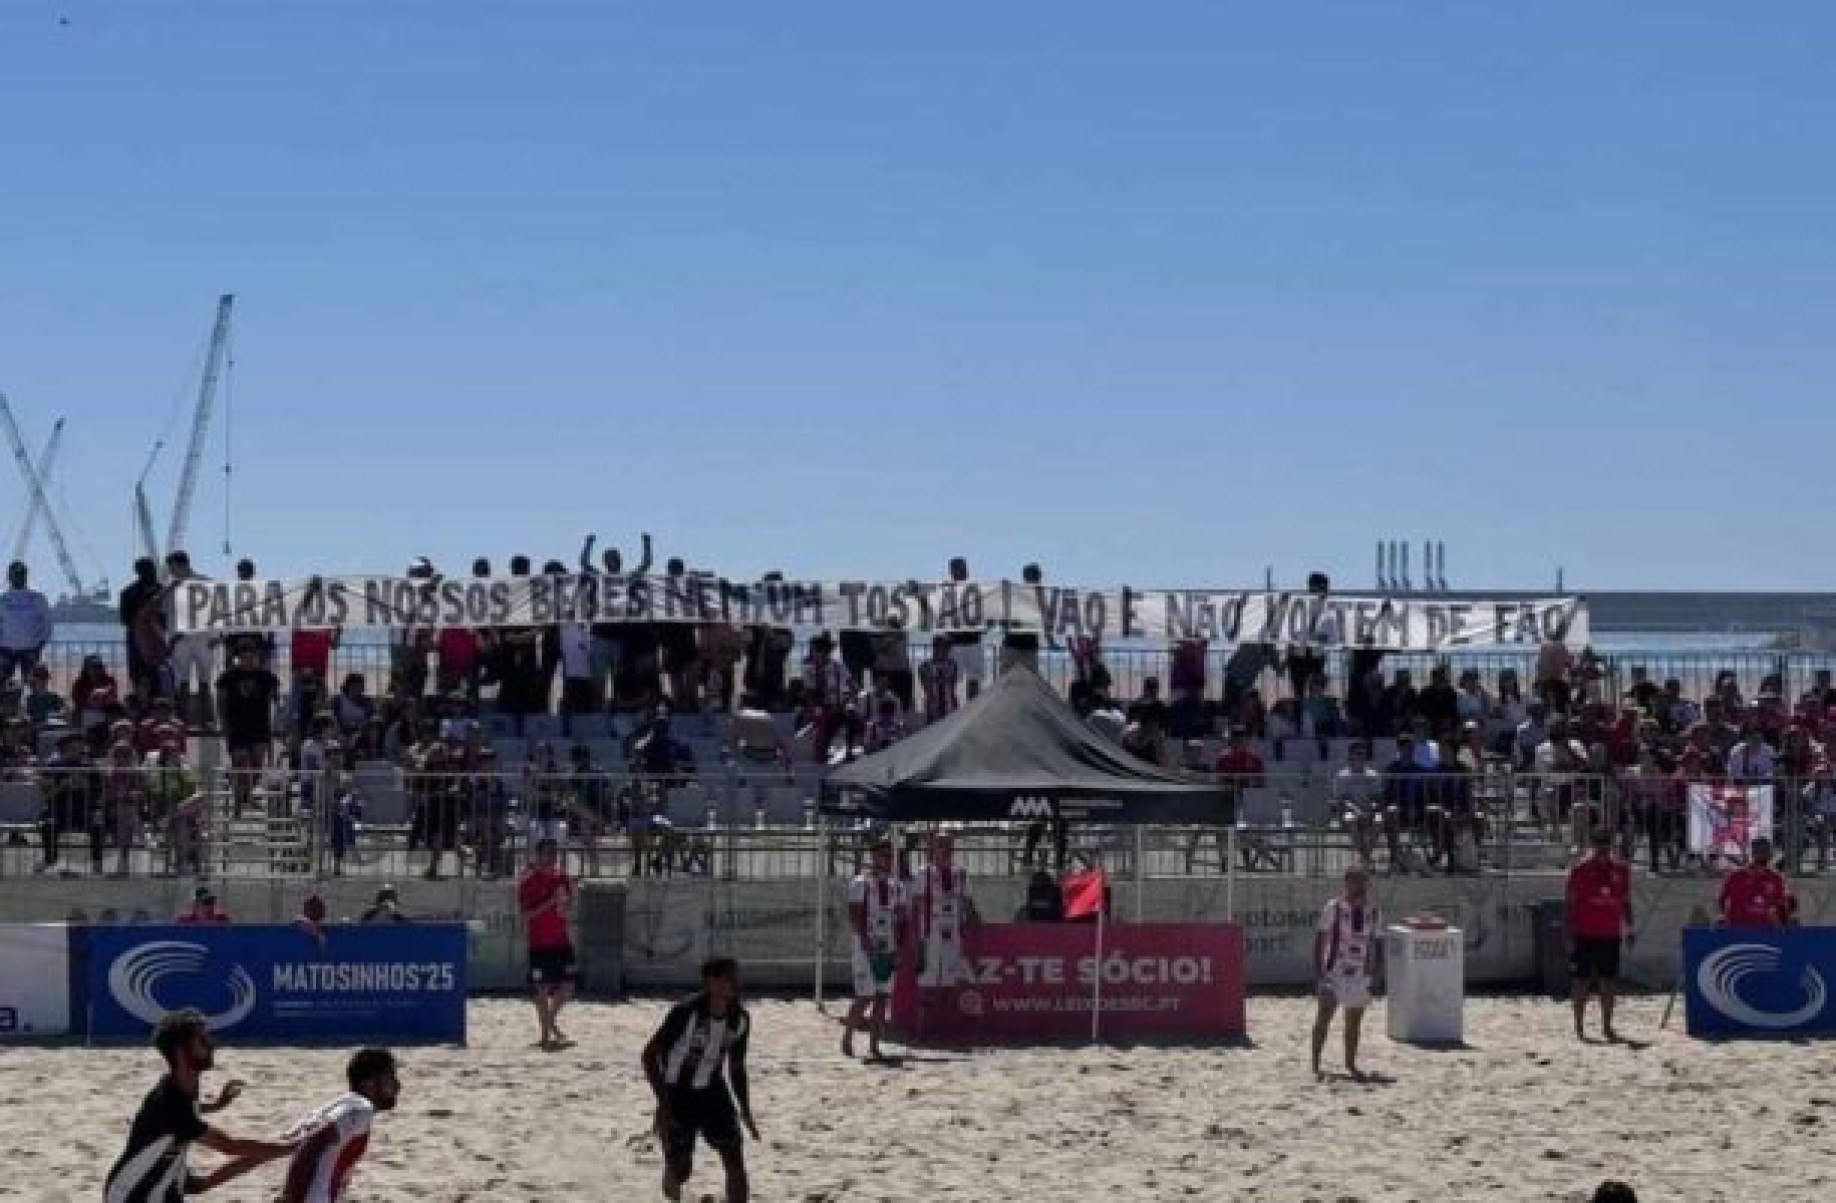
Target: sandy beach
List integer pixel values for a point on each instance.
(1523, 1113)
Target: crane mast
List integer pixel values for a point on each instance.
(46, 459)
(200, 427)
(36, 490)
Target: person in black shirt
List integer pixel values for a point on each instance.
(246, 695)
(699, 1051)
(134, 598)
(152, 1169)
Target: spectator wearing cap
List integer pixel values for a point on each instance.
(385, 908)
(204, 908)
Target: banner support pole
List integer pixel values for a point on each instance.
(1096, 977)
(822, 910)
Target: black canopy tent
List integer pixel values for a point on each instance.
(1018, 752)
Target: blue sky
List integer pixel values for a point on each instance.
(1158, 293)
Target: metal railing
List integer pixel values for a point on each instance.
(735, 824)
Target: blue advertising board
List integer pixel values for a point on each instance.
(1759, 981)
(396, 981)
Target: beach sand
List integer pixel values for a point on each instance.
(1523, 1113)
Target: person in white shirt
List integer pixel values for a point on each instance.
(25, 625)
(944, 912)
(335, 1137)
(577, 682)
(1357, 789)
(878, 908)
(193, 654)
(1347, 960)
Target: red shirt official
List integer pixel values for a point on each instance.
(1598, 888)
(538, 887)
(1755, 896)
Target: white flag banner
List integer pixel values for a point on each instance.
(1060, 612)
(1725, 819)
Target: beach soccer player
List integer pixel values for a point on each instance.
(333, 1138)
(696, 1064)
(542, 896)
(1347, 959)
(877, 906)
(1599, 921)
(1755, 895)
(944, 911)
(152, 1168)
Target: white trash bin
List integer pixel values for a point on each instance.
(1425, 971)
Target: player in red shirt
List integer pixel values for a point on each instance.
(1756, 895)
(1599, 920)
(543, 896)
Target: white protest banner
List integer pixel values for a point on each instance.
(1725, 819)
(1120, 613)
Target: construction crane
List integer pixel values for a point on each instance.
(46, 459)
(35, 488)
(143, 517)
(200, 428)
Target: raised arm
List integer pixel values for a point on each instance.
(586, 556)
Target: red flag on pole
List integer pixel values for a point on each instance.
(1084, 891)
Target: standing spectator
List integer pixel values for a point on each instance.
(609, 637)
(193, 659)
(72, 802)
(966, 645)
(519, 663)
(25, 625)
(247, 694)
(1439, 705)
(1186, 668)
(1555, 666)
(1755, 895)
(550, 644)
(410, 641)
(1357, 790)
(124, 799)
(144, 591)
(1654, 798)
(680, 649)
(1599, 920)
(937, 679)
(1244, 669)
(892, 662)
(768, 652)
(576, 653)
(722, 646)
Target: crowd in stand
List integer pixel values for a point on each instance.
(1410, 761)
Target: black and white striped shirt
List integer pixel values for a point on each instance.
(152, 1167)
(697, 1047)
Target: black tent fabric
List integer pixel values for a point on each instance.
(1019, 752)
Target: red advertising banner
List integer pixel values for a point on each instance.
(1042, 980)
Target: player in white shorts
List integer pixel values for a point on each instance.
(878, 908)
(1347, 957)
(336, 1135)
(944, 910)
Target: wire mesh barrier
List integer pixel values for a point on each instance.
(380, 821)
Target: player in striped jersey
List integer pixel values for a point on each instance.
(943, 910)
(696, 1064)
(1347, 957)
(152, 1168)
(878, 906)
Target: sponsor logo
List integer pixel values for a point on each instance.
(969, 1002)
(1031, 808)
(135, 981)
(1722, 973)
